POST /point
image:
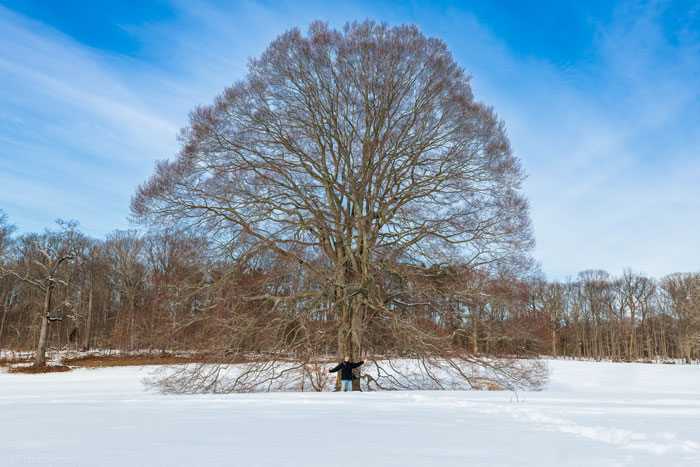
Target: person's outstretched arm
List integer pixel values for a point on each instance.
(334, 369)
(355, 365)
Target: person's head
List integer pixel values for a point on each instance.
(347, 358)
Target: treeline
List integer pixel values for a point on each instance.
(163, 290)
(623, 318)
(128, 291)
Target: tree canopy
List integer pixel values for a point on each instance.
(358, 166)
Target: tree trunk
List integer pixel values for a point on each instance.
(349, 338)
(131, 323)
(344, 342)
(2, 325)
(633, 336)
(356, 324)
(662, 331)
(88, 323)
(40, 359)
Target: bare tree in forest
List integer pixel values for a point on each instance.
(6, 230)
(551, 300)
(681, 298)
(178, 269)
(92, 269)
(124, 250)
(635, 292)
(41, 260)
(595, 290)
(361, 162)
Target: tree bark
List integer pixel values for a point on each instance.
(40, 359)
(88, 323)
(2, 324)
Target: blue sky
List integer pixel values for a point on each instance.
(601, 101)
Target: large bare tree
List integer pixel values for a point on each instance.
(359, 162)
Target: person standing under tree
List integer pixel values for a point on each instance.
(346, 375)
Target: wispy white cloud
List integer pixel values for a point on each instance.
(615, 190)
(59, 70)
(609, 141)
(75, 129)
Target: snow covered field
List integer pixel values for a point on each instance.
(591, 414)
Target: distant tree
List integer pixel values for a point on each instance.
(681, 299)
(636, 293)
(40, 261)
(92, 271)
(6, 231)
(595, 291)
(550, 298)
(361, 160)
(124, 250)
(178, 272)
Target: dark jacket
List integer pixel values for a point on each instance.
(346, 369)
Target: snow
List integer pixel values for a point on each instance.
(602, 414)
(381, 374)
